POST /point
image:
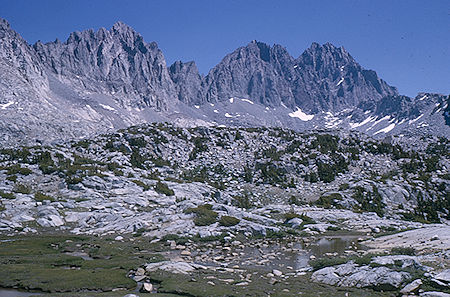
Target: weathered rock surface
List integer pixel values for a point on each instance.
(412, 287)
(174, 267)
(423, 239)
(115, 62)
(352, 275)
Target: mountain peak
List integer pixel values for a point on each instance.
(4, 25)
(121, 27)
(327, 47)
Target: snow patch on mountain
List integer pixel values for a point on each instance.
(6, 105)
(415, 120)
(248, 101)
(301, 115)
(107, 107)
(367, 120)
(385, 130)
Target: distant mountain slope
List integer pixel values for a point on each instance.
(97, 81)
(116, 62)
(323, 78)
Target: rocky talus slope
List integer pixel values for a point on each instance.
(125, 178)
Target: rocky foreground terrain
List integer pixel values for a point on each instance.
(159, 209)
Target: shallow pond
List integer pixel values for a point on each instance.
(282, 256)
(276, 256)
(15, 293)
(335, 244)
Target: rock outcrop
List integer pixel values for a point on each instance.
(116, 61)
(352, 275)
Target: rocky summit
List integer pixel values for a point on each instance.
(270, 176)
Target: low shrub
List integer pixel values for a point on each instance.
(290, 215)
(228, 221)
(17, 169)
(320, 263)
(39, 196)
(410, 251)
(163, 188)
(23, 189)
(12, 178)
(144, 186)
(306, 220)
(326, 201)
(7, 195)
(204, 215)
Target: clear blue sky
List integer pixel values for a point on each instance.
(406, 41)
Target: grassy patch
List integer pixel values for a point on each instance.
(403, 251)
(23, 189)
(42, 263)
(228, 221)
(7, 195)
(141, 184)
(163, 188)
(327, 201)
(199, 284)
(320, 263)
(204, 215)
(39, 196)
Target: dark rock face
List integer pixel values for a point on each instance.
(18, 61)
(447, 111)
(330, 79)
(323, 78)
(255, 71)
(117, 61)
(188, 81)
(404, 107)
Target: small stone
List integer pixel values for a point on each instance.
(185, 253)
(411, 287)
(242, 284)
(277, 272)
(118, 238)
(139, 278)
(211, 283)
(147, 287)
(312, 257)
(140, 271)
